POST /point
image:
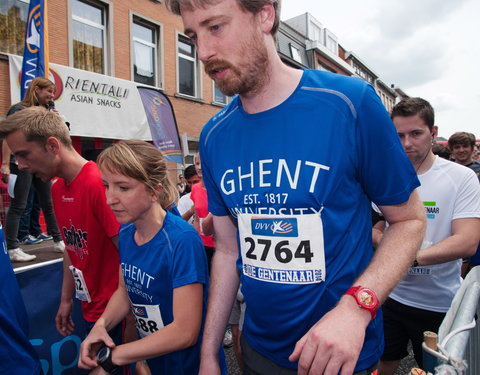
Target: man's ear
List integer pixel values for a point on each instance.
(266, 17)
(434, 131)
(53, 145)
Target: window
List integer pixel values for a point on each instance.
(89, 35)
(295, 53)
(316, 32)
(145, 52)
(219, 97)
(187, 67)
(13, 20)
(331, 42)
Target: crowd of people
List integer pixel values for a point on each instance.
(282, 247)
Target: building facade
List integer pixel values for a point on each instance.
(135, 40)
(141, 41)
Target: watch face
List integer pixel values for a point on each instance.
(366, 298)
(103, 354)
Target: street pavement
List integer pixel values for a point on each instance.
(44, 252)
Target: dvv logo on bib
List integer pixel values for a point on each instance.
(275, 227)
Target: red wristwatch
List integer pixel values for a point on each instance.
(366, 298)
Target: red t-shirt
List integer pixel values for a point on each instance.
(200, 200)
(87, 225)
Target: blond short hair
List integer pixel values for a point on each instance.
(38, 124)
(143, 162)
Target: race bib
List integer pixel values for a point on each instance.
(148, 319)
(81, 290)
(285, 249)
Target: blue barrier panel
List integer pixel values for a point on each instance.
(40, 286)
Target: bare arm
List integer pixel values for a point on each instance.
(189, 213)
(223, 290)
(5, 169)
(377, 233)
(63, 319)
(207, 225)
(462, 243)
(180, 334)
(400, 242)
(333, 344)
(116, 309)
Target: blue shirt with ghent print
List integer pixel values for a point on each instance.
(299, 179)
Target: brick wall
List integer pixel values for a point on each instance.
(191, 115)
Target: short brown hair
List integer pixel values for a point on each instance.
(415, 106)
(143, 162)
(252, 6)
(461, 138)
(38, 124)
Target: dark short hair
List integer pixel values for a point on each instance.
(461, 138)
(441, 151)
(415, 106)
(189, 172)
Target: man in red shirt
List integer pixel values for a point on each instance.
(42, 146)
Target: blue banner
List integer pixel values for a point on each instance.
(162, 123)
(35, 52)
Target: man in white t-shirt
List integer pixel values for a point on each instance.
(451, 196)
(185, 204)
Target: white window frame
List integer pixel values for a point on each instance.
(107, 9)
(196, 64)
(331, 42)
(315, 30)
(157, 46)
(295, 53)
(228, 99)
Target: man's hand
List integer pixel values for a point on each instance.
(63, 320)
(5, 170)
(333, 344)
(89, 347)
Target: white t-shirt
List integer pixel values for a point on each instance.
(448, 191)
(184, 204)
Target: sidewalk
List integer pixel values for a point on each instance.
(44, 252)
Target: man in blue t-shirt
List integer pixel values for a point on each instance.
(291, 166)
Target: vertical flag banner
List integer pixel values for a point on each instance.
(162, 123)
(35, 52)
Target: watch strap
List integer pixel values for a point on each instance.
(353, 291)
(107, 363)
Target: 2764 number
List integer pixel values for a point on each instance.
(281, 250)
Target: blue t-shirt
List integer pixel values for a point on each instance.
(299, 179)
(17, 355)
(173, 258)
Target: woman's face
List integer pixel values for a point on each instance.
(45, 95)
(129, 199)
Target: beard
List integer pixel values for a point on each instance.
(249, 75)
